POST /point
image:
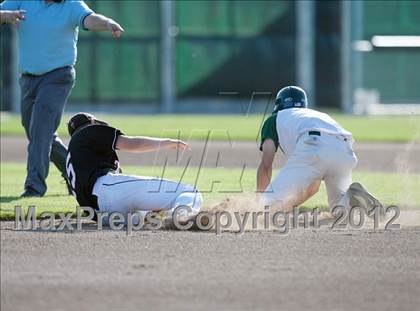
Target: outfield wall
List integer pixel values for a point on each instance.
(227, 50)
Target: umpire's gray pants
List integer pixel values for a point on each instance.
(42, 105)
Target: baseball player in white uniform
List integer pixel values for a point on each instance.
(97, 181)
(316, 148)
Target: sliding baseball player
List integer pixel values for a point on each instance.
(316, 148)
(97, 180)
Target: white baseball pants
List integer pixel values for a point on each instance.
(326, 157)
(124, 194)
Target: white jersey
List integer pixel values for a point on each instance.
(293, 122)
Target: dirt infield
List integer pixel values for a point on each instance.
(309, 269)
(386, 157)
(173, 270)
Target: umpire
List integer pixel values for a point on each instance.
(47, 33)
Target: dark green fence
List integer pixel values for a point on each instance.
(217, 44)
(394, 72)
(234, 46)
(126, 69)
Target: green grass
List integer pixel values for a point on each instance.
(237, 127)
(398, 189)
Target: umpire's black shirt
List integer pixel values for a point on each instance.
(91, 154)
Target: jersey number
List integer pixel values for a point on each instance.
(70, 174)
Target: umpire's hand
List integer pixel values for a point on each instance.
(98, 22)
(114, 28)
(12, 17)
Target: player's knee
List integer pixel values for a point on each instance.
(198, 201)
(313, 188)
(273, 202)
(191, 197)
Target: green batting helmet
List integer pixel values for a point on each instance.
(290, 97)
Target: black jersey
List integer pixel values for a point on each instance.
(91, 154)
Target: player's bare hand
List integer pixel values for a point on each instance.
(179, 144)
(12, 17)
(114, 28)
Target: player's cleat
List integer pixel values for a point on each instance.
(360, 197)
(30, 193)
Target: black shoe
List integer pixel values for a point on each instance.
(30, 193)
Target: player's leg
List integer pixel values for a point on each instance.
(297, 181)
(290, 188)
(337, 185)
(58, 155)
(338, 177)
(124, 194)
(342, 192)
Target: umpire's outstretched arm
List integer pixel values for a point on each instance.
(97, 22)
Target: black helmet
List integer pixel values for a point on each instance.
(80, 119)
(290, 97)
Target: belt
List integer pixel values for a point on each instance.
(30, 75)
(318, 133)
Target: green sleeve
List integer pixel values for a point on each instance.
(269, 131)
